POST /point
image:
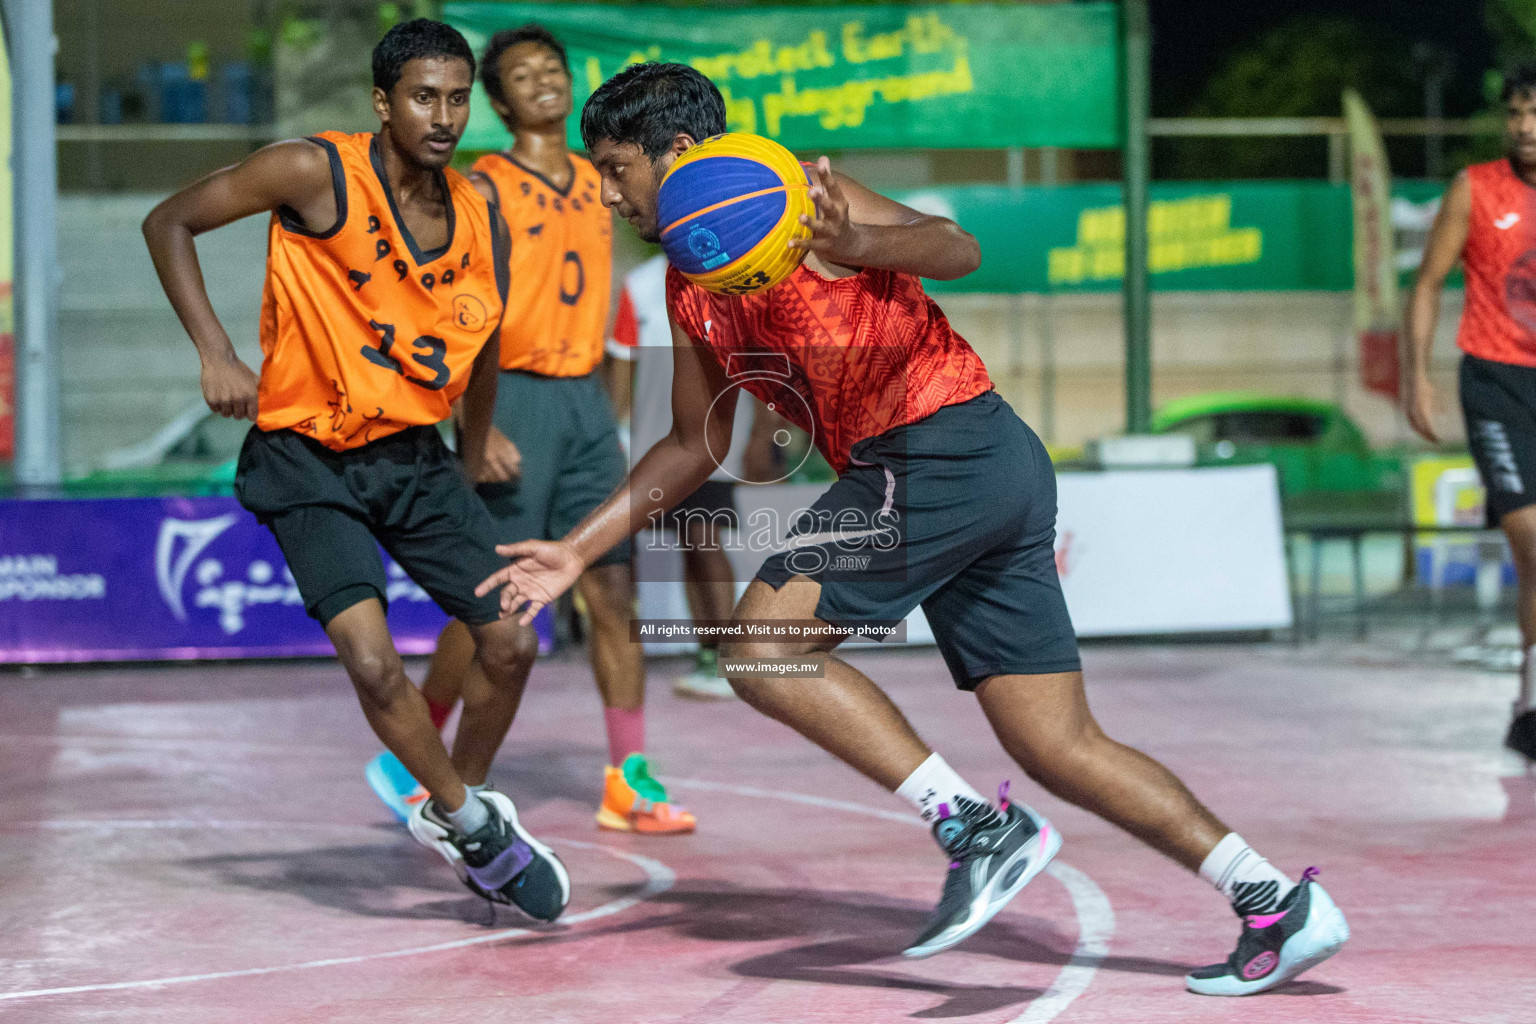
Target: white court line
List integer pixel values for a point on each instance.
(160, 824)
(1095, 916)
(1095, 927)
(658, 879)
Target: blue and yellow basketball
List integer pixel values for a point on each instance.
(727, 210)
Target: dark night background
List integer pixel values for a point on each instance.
(1292, 58)
(1190, 38)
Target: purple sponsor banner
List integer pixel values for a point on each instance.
(119, 579)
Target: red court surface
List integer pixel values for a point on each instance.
(197, 844)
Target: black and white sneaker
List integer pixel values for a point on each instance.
(501, 861)
(1303, 931)
(1521, 737)
(993, 853)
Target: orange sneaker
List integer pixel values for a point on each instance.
(633, 801)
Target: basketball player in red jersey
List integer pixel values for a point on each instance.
(1488, 222)
(386, 283)
(956, 499)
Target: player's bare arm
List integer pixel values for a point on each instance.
(500, 459)
(855, 227)
(703, 410)
(475, 417)
(1447, 237)
(295, 174)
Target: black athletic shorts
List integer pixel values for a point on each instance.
(714, 501)
(1499, 403)
(330, 512)
(956, 513)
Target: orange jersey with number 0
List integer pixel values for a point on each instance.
(562, 258)
(363, 333)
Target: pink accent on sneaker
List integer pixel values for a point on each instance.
(1264, 920)
(1260, 965)
(1002, 795)
(626, 733)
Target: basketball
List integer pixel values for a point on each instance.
(728, 208)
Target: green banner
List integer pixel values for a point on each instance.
(960, 76)
(1205, 236)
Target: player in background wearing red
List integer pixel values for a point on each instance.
(1487, 221)
(642, 336)
(931, 458)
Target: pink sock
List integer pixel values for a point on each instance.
(439, 712)
(626, 733)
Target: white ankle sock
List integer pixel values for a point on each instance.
(471, 817)
(1251, 883)
(934, 784)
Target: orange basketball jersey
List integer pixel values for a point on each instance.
(363, 333)
(562, 259)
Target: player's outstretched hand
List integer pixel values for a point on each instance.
(834, 237)
(502, 460)
(540, 572)
(229, 388)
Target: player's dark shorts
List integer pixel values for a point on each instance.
(956, 513)
(330, 512)
(1499, 403)
(713, 502)
(572, 460)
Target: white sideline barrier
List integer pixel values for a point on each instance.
(1172, 551)
(1140, 552)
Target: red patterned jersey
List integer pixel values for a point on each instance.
(844, 359)
(1499, 259)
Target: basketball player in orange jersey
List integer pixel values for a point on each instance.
(385, 292)
(947, 499)
(1488, 222)
(554, 440)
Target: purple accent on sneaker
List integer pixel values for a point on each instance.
(1309, 874)
(943, 811)
(507, 865)
(1002, 795)
(953, 864)
(1260, 965)
(1264, 920)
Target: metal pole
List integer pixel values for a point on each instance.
(29, 33)
(1336, 159)
(1434, 142)
(1137, 293)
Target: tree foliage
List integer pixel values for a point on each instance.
(1298, 69)
(1512, 23)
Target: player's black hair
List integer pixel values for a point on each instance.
(501, 42)
(1520, 81)
(650, 104)
(420, 37)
